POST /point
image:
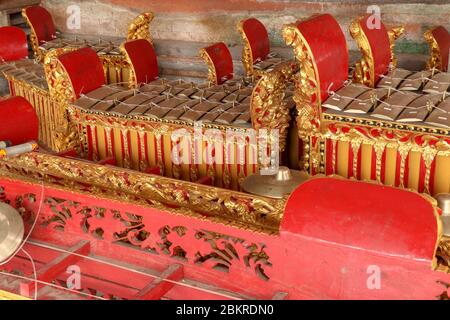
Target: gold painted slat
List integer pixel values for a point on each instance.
(442, 181)
(366, 161)
(390, 168)
(414, 170)
(343, 149)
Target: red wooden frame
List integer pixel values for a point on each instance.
(341, 229)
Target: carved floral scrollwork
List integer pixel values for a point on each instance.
(307, 93)
(268, 108)
(221, 252)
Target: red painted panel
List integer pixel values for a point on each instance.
(85, 70)
(329, 49)
(443, 40)
(13, 44)
(223, 62)
(380, 46)
(143, 57)
(365, 216)
(42, 23)
(258, 38)
(19, 122)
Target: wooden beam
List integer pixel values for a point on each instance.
(156, 289)
(51, 270)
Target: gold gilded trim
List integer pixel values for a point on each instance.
(435, 60)
(364, 72)
(38, 54)
(247, 55)
(307, 89)
(212, 74)
(364, 69)
(268, 108)
(233, 208)
(5, 295)
(139, 28)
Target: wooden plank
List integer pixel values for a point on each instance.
(156, 289)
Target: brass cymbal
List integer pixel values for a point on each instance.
(11, 231)
(274, 186)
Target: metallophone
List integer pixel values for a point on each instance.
(146, 219)
(396, 133)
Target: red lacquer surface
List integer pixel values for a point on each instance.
(223, 63)
(328, 46)
(143, 57)
(13, 44)
(443, 40)
(258, 38)
(18, 121)
(379, 44)
(42, 23)
(85, 70)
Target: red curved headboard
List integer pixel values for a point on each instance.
(380, 45)
(220, 56)
(329, 50)
(13, 44)
(258, 38)
(42, 23)
(19, 122)
(442, 38)
(367, 216)
(84, 69)
(143, 59)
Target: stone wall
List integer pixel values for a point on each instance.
(183, 26)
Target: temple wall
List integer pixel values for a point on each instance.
(181, 27)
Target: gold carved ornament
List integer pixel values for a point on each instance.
(365, 69)
(307, 93)
(38, 54)
(247, 55)
(394, 34)
(212, 75)
(435, 60)
(268, 108)
(61, 92)
(234, 208)
(139, 28)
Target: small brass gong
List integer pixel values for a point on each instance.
(274, 186)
